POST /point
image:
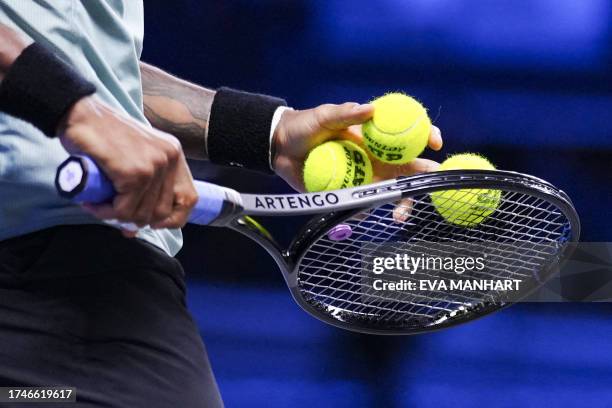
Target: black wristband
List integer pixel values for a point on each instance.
(239, 129)
(40, 88)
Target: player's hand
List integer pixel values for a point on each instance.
(147, 167)
(300, 131)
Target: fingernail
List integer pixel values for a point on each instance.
(358, 107)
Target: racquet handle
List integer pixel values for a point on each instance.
(81, 180)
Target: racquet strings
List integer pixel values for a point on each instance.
(519, 239)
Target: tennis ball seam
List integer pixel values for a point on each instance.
(409, 111)
(397, 146)
(407, 130)
(389, 142)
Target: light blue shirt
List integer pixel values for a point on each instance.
(102, 39)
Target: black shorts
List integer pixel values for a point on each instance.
(82, 306)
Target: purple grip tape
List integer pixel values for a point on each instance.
(80, 179)
(209, 205)
(98, 188)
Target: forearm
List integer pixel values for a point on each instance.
(177, 107)
(11, 46)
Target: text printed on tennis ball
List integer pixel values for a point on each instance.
(354, 172)
(336, 164)
(383, 152)
(359, 159)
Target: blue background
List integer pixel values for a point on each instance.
(528, 84)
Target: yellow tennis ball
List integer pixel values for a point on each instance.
(336, 164)
(399, 130)
(466, 207)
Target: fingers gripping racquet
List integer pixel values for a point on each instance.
(81, 180)
(328, 266)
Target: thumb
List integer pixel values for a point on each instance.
(339, 117)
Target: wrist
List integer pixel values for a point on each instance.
(40, 88)
(239, 129)
(76, 114)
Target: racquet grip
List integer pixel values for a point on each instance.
(81, 180)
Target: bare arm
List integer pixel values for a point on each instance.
(177, 107)
(183, 109)
(11, 46)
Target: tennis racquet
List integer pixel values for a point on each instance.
(327, 266)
